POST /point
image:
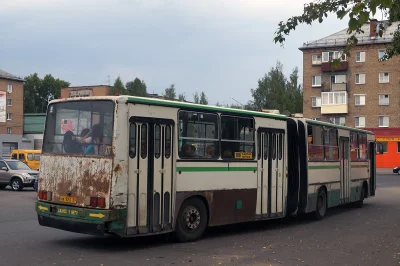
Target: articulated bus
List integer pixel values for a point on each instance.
(132, 166)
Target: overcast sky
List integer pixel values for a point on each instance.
(221, 47)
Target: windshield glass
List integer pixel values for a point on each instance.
(18, 165)
(79, 127)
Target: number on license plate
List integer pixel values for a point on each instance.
(68, 199)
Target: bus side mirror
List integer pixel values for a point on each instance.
(380, 148)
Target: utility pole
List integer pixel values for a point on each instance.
(238, 102)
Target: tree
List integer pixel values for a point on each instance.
(170, 93)
(275, 91)
(196, 98)
(203, 98)
(118, 87)
(181, 97)
(136, 88)
(359, 11)
(39, 92)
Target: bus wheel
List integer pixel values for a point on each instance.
(360, 203)
(192, 220)
(321, 205)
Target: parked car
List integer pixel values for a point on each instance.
(396, 170)
(16, 174)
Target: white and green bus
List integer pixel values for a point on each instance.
(132, 166)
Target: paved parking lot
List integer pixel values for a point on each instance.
(347, 236)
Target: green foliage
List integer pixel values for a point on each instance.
(39, 92)
(118, 87)
(359, 12)
(203, 98)
(170, 93)
(136, 88)
(275, 91)
(181, 97)
(196, 98)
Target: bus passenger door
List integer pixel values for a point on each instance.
(150, 175)
(345, 180)
(271, 170)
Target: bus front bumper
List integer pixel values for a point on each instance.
(80, 220)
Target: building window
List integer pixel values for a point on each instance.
(338, 120)
(360, 78)
(384, 146)
(9, 102)
(360, 56)
(383, 99)
(334, 98)
(359, 121)
(316, 101)
(360, 99)
(398, 146)
(383, 77)
(336, 79)
(316, 81)
(9, 88)
(9, 130)
(316, 59)
(381, 54)
(9, 116)
(332, 55)
(383, 121)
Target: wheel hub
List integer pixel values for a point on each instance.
(192, 217)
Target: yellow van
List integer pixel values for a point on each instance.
(30, 157)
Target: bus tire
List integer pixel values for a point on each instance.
(192, 220)
(360, 203)
(321, 207)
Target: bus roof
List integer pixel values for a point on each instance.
(176, 104)
(310, 121)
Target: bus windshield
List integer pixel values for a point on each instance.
(80, 128)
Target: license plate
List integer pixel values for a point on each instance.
(68, 199)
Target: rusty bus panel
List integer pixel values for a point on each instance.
(76, 177)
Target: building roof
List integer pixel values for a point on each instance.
(86, 86)
(34, 123)
(339, 39)
(6, 75)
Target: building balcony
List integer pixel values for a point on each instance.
(334, 102)
(326, 67)
(339, 87)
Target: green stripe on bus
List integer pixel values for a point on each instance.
(215, 169)
(324, 167)
(359, 166)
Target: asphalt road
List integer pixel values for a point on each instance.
(347, 236)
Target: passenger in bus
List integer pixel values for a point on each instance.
(227, 154)
(186, 151)
(70, 144)
(210, 152)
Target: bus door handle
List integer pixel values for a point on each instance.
(137, 171)
(162, 171)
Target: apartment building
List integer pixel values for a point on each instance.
(11, 114)
(362, 92)
(85, 91)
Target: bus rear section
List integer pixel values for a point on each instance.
(76, 167)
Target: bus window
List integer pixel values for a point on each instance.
(274, 146)
(157, 141)
(315, 144)
(30, 157)
(65, 122)
(198, 135)
(266, 139)
(258, 146)
(362, 146)
(168, 141)
(331, 144)
(132, 141)
(354, 151)
(21, 157)
(280, 147)
(143, 147)
(237, 137)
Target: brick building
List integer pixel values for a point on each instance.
(82, 91)
(12, 114)
(362, 92)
